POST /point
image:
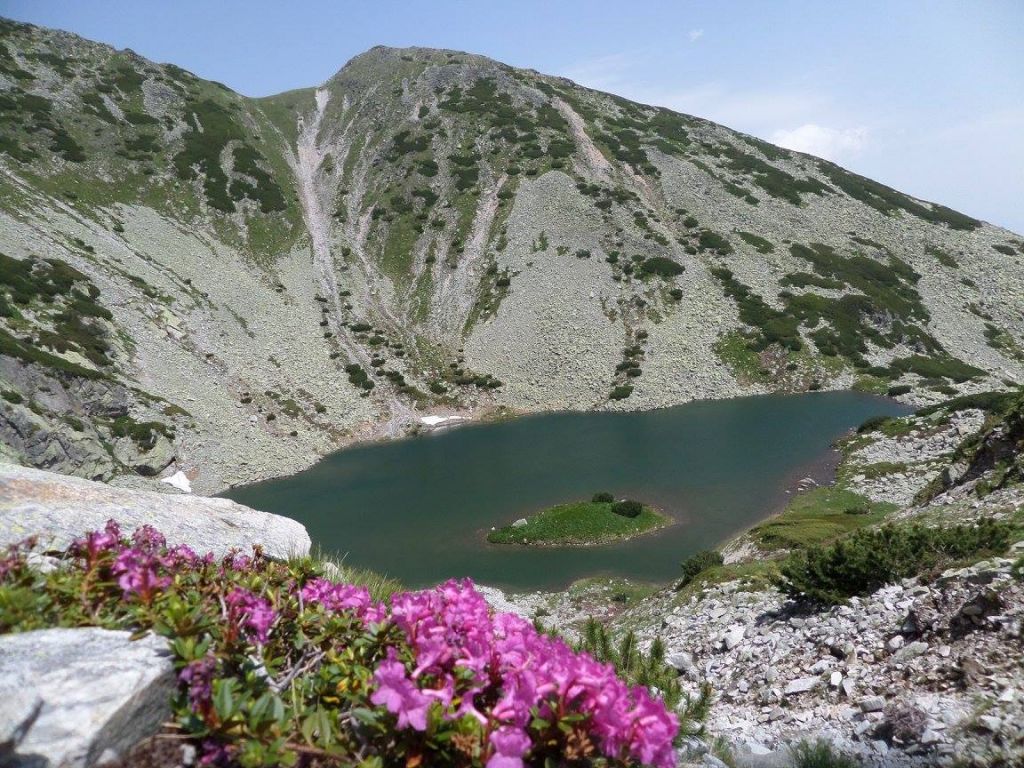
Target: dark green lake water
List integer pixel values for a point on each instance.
(419, 508)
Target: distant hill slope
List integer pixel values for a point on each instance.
(193, 279)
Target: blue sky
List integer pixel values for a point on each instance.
(927, 96)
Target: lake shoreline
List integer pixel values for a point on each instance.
(383, 430)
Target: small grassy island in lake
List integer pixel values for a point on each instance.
(602, 520)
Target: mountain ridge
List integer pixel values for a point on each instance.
(432, 231)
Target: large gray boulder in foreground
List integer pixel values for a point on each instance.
(72, 698)
(60, 508)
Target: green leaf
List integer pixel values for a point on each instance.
(223, 698)
(366, 716)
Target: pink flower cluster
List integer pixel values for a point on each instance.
(463, 653)
(343, 597)
(461, 660)
(251, 613)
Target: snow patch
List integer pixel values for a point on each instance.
(433, 421)
(179, 480)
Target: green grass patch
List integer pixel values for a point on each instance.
(816, 517)
(580, 523)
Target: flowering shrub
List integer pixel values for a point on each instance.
(280, 666)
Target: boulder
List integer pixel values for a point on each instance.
(60, 508)
(74, 697)
(146, 461)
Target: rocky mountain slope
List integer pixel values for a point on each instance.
(194, 280)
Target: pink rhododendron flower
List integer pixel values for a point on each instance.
(198, 677)
(460, 647)
(399, 695)
(510, 744)
(343, 597)
(138, 573)
(96, 542)
(252, 613)
(148, 539)
(459, 657)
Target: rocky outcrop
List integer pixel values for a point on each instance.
(73, 698)
(61, 508)
(52, 444)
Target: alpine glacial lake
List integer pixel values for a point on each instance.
(419, 508)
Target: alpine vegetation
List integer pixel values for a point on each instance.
(279, 665)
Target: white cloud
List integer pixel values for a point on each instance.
(829, 143)
(695, 35)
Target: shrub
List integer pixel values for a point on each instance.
(628, 508)
(760, 244)
(621, 392)
(899, 389)
(936, 367)
(820, 754)
(14, 397)
(696, 564)
(868, 559)
(712, 241)
(991, 402)
(276, 663)
(603, 497)
(661, 266)
(872, 424)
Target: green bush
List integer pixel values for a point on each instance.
(872, 424)
(820, 754)
(712, 241)
(868, 559)
(899, 389)
(937, 367)
(628, 508)
(621, 392)
(696, 564)
(14, 397)
(990, 402)
(760, 244)
(661, 266)
(602, 497)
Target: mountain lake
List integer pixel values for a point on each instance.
(419, 508)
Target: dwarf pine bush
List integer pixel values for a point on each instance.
(696, 564)
(280, 666)
(868, 559)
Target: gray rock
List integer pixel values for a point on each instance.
(802, 685)
(733, 637)
(912, 651)
(519, 523)
(990, 723)
(70, 696)
(872, 704)
(60, 508)
(147, 463)
(682, 662)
